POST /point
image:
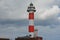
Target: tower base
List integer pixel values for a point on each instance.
(27, 38)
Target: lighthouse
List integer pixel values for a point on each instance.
(31, 10)
(33, 32)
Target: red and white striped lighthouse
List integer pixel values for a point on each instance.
(31, 10)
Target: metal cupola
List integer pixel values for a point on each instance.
(31, 8)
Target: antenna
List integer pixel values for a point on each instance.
(31, 1)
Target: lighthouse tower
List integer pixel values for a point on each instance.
(31, 10)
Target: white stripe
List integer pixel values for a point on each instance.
(32, 34)
(31, 22)
(31, 12)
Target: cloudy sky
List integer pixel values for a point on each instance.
(14, 18)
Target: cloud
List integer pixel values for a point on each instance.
(12, 31)
(13, 9)
(49, 13)
(15, 31)
(49, 16)
(13, 18)
(48, 33)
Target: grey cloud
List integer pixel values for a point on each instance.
(55, 2)
(12, 31)
(24, 22)
(47, 22)
(13, 9)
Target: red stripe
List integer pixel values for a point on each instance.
(31, 28)
(31, 15)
